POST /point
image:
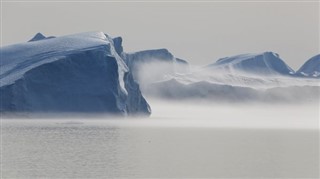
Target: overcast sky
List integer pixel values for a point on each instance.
(200, 32)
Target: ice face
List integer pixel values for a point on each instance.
(260, 77)
(263, 63)
(19, 58)
(149, 66)
(37, 37)
(310, 68)
(122, 67)
(74, 73)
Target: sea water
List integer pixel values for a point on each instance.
(178, 140)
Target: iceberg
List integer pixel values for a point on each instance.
(214, 92)
(262, 77)
(310, 68)
(149, 66)
(90, 72)
(267, 63)
(40, 36)
(74, 73)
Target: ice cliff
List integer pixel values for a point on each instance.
(73, 73)
(149, 66)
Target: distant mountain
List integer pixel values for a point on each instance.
(73, 73)
(267, 63)
(310, 68)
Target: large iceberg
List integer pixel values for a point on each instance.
(149, 66)
(267, 63)
(262, 77)
(74, 73)
(214, 92)
(310, 68)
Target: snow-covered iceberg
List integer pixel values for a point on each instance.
(213, 92)
(73, 73)
(149, 66)
(267, 63)
(310, 68)
(260, 77)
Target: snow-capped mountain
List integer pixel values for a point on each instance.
(310, 68)
(73, 73)
(149, 66)
(267, 63)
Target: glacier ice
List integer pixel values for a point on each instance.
(212, 92)
(260, 77)
(149, 66)
(310, 68)
(90, 72)
(74, 73)
(40, 36)
(261, 63)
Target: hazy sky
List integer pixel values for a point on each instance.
(200, 32)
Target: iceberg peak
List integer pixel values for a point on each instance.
(38, 36)
(310, 68)
(256, 63)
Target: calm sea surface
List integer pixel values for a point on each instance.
(211, 146)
